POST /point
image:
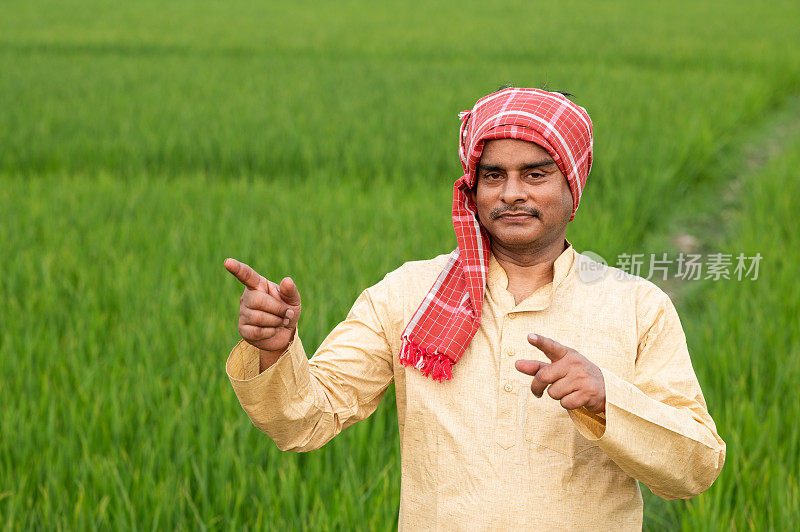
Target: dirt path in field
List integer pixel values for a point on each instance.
(708, 214)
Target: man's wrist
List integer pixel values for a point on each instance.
(268, 358)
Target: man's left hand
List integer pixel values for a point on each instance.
(572, 379)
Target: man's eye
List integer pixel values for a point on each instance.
(491, 176)
(536, 175)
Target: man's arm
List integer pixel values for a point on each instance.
(302, 404)
(657, 428)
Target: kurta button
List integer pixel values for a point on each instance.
(511, 316)
(508, 387)
(509, 352)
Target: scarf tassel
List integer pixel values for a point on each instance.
(439, 367)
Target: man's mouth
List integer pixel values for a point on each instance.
(516, 216)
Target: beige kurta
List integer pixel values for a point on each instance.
(480, 451)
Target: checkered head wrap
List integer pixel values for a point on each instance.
(450, 315)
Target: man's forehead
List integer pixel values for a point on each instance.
(513, 151)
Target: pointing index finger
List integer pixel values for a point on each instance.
(529, 367)
(246, 275)
(552, 349)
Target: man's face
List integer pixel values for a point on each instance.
(522, 197)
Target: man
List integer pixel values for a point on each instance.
(466, 338)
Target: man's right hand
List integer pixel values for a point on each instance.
(268, 313)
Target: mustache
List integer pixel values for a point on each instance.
(496, 213)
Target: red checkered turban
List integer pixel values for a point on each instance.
(450, 314)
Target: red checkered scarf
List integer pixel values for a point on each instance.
(449, 316)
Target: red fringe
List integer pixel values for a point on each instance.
(438, 367)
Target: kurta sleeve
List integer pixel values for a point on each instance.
(302, 404)
(657, 428)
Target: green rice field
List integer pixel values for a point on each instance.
(142, 143)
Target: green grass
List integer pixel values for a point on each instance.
(746, 351)
(142, 143)
(116, 327)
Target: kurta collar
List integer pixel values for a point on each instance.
(497, 282)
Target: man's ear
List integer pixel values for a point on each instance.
(471, 193)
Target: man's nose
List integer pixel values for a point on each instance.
(513, 190)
